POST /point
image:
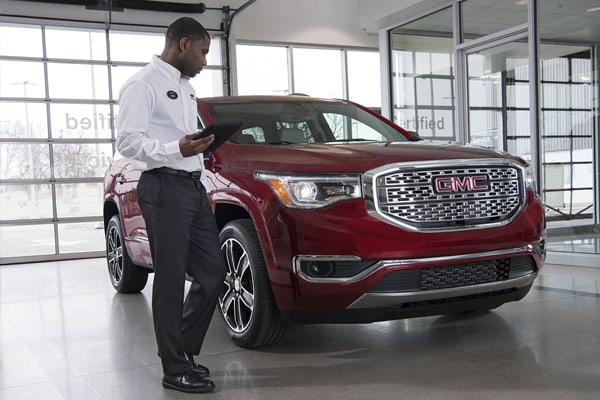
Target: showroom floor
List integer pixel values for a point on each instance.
(65, 334)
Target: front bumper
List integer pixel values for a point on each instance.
(403, 308)
(392, 299)
(322, 268)
(393, 289)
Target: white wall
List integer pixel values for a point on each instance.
(211, 19)
(325, 22)
(386, 14)
(348, 23)
(372, 13)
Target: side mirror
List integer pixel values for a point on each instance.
(414, 136)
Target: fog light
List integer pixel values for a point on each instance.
(317, 269)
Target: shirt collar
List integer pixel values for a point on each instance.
(168, 70)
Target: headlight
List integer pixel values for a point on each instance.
(530, 179)
(312, 191)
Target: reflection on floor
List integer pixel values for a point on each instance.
(65, 334)
(575, 236)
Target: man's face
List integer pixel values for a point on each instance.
(193, 56)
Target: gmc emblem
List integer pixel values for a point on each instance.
(453, 184)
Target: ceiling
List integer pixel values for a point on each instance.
(567, 21)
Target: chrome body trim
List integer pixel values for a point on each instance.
(383, 300)
(298, 271)
(141, 239)
(533, 249)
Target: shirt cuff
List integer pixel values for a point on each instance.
(172, 150)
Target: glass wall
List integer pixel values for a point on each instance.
(58, 104)
(339, 73)
(254, 76)
(498, 98)
(569, 123)
(567, 130)
(422, 65)
(483, 48)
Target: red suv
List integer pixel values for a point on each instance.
(330, 213)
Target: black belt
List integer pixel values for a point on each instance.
(178, 172)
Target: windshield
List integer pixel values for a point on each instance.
(304, 122)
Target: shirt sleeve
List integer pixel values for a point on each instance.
(136, 105)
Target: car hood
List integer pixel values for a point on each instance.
(346, 157)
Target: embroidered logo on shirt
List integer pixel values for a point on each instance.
(172, 95)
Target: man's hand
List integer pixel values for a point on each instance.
(190, 147)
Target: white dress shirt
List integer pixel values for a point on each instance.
(157, 106)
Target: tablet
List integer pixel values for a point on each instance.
(222, 131)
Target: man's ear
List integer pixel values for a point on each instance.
(184, 44)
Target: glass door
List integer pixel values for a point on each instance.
(498, 97)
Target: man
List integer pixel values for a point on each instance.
(156, 126)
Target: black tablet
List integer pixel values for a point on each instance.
(222, 131)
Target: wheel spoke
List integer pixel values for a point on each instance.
(247, 299)
(239, 316)
(243, 265)
(230, 257)
(111, 257)
(111, 238)
(227, 284)
(228, 299)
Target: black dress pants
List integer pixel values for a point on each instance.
(183, 238)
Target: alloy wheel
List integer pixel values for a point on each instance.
(114, 252)
(236, 301)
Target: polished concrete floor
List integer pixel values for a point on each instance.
(65, 334)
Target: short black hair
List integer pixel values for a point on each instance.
(186, 27)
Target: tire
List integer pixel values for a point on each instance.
(246, 304)
(125, 276)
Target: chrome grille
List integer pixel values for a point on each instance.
(411, 196)
(475, 273)
(455, 275)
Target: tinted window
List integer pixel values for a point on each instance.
(305, 122)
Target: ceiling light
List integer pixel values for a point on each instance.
(593, 9)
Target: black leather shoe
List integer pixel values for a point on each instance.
(198, 368)
(189, 382)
